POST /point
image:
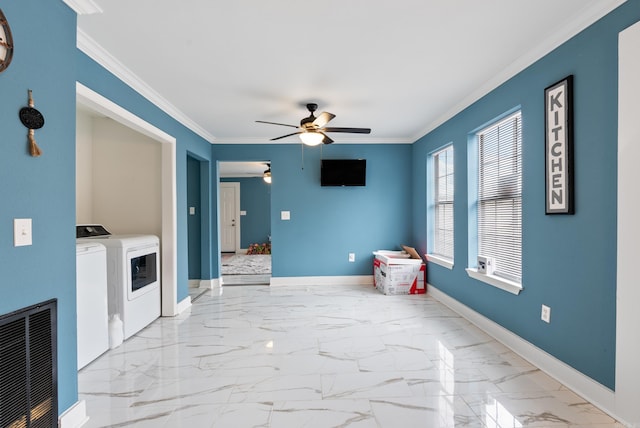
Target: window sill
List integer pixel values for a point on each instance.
(496, 281)
(431, 258)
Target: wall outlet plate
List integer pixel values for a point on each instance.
(545, 314)
(352, 257)
(21, 232)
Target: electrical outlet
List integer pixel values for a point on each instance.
(352, 257)
(545, 315)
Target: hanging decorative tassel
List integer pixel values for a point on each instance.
(34, 150)
(32, 119)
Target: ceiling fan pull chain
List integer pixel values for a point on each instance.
(302, 152)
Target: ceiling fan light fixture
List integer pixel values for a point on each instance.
(266, 176)
(311, 138)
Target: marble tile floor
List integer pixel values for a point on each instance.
(325, 356)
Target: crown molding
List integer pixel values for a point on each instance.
(96, 52)
(580, 22)
(83, 7)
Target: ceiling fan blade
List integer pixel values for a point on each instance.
(323, 118)
(350, 130)
(285, 136)
(326, 139)
(276, 123)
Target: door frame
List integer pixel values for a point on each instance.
(169, 259)
(625, 400)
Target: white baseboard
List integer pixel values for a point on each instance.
(75, 416)
(597, 394)
(323, 280)
(211, 283)
(183, 305)
(205, 283)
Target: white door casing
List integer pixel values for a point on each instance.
(628, 293)
(230, 217)
(169, 259)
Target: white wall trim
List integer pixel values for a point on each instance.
(343, 140)
(98, 103)
(211, 283)
(169, 231)
(628, 228)
(83, 7)
(496, 281)
(169, 259)
(183, 305)
(441, 261)
(96, 52)
(323, 280)
(581, 384)
(75, 416)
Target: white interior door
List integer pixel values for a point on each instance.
(229, 217)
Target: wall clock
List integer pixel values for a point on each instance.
(6, 43)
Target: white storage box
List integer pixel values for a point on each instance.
(397, 272)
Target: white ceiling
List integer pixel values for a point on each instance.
(399, 67)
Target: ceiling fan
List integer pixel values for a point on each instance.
(312, 129)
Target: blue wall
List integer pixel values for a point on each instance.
(569, 262)
(327, 223)
(42, 188)
(255, 199)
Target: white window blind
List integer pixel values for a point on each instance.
(500, 196)
(443, 203)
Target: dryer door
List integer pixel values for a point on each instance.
(142, 271)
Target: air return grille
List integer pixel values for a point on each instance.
(28, 367)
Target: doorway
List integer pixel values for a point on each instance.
(230, 225)
(244, 207)
(96, 103)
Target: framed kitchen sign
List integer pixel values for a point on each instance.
(558, 116)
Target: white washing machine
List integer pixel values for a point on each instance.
(133, 275)
(91, 301)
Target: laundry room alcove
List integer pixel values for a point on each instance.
(125, 180)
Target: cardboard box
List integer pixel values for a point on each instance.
(399, 272)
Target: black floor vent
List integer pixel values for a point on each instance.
(28, 367)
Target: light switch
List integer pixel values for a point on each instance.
(243, 212)
(285, 215)
(21, 232)
(192, 210)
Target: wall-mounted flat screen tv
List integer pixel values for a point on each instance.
(343, 172)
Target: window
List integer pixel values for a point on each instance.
(443, 204)
(500, 196)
